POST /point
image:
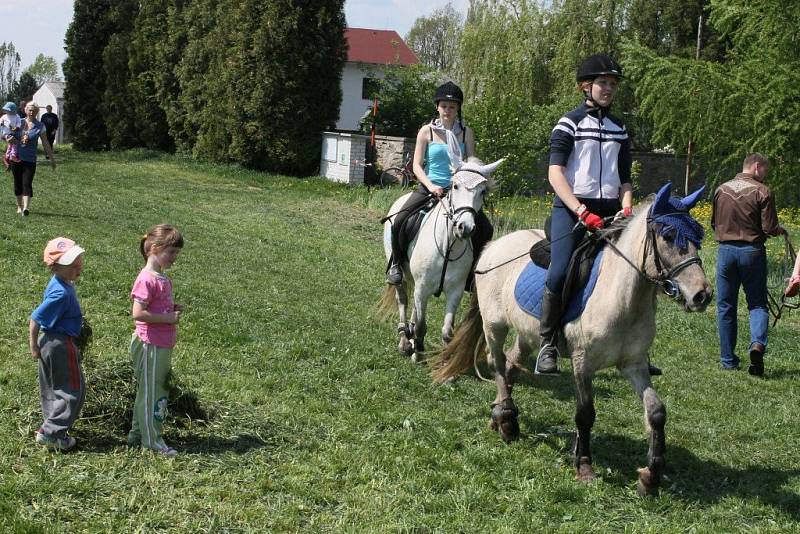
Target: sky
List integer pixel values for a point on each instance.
(47, 21)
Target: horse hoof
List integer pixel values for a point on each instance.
(418, 357)
(585, 472)
(647, 485)
(509, 430)
(405, 349)
(504, 420)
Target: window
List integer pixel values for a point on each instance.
(369, 86)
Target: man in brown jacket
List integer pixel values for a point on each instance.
(743, 217)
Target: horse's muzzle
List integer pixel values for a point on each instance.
(700, 300)
(464, 229)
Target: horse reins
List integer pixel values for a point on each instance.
(775, 309)
(451, 215)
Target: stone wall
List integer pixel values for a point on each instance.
(394, 151)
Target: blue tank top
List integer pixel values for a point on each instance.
(27, 150)
(438, 164)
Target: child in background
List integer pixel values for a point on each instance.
(156, 316)
(53, 327)
(9, 125)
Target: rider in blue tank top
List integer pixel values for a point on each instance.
(437, 167)
(432, 168)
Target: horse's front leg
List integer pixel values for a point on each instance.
(584, 420)
(451, 306)
(420, 324)
(655, 418)
(403, 329)
(505, 416)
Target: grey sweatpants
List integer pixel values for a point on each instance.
(61, 383)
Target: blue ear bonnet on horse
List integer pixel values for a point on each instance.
(672, 218)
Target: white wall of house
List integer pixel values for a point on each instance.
(353, 106)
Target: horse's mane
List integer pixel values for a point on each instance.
(678, 226)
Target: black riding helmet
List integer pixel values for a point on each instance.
(598, 65)
(448, 91)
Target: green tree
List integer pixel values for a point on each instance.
(434, 39)
(86, 39)
(24, 88)
(202, 59)
(151, 73)
(43, 69)
(9, 69)
(119, 115)
(274, 84)
(405, 99)
(746, 102)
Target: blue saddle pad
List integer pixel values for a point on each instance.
(530, 287)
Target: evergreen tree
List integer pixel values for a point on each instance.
(118, 112)
(273, 84)
(201, 60)
(86, 39)
(24, 87)
(150, 73)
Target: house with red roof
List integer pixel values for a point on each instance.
(369, 51)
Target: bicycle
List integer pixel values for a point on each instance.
(402, 176)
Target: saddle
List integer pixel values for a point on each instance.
(580, 265)
(412, 223)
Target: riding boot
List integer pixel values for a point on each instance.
(547, 360)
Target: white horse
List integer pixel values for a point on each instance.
(655, 250)
(441, 255)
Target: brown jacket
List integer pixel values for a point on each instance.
(744, 210)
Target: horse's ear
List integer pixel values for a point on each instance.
(661, 203)
(693, 198)
(486, 170)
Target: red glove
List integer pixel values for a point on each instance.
(627, 211)
(793, 287)
(591, 221)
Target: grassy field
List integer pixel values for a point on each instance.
(293, 411)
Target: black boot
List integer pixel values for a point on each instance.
(547, 360)
(756, 360)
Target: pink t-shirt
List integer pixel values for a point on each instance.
(155, 292)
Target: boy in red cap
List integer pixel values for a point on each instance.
(54, 325)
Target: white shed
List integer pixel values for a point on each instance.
(52, 94)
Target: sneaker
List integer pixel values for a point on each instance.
(53, 443)
(394, 276)
(166, 451)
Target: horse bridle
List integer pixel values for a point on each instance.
(452, 214)
(665, 278)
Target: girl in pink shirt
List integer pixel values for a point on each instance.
(156, 316)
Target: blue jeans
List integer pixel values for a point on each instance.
(741, 264)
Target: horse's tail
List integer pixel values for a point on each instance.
(387, 304)
(467, 344)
